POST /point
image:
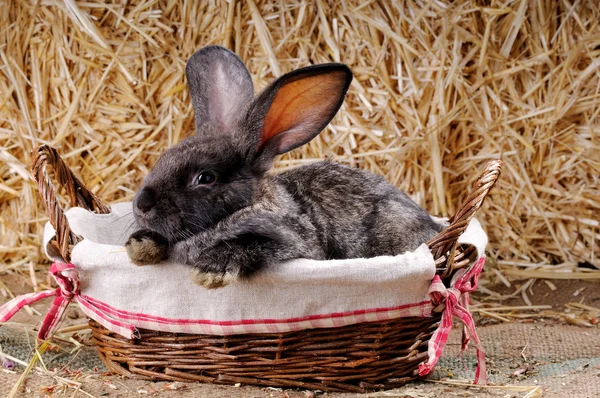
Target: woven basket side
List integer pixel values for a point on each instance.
(357, 358)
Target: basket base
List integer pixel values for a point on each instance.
(355, 358)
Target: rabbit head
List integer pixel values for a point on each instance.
(216, 172)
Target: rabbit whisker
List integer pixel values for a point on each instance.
(130, 228)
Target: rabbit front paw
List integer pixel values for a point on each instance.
(147, 247)
(211, 280)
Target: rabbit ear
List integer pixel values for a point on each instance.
(220, 86)
(297, 106)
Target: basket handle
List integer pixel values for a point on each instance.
(78, 193)
(448, 254)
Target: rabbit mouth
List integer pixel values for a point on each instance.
(168, 225)
(140, 220)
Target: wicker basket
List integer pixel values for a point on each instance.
(357, 358)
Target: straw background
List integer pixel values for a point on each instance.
(440, 88)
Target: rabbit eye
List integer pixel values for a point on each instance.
(206, 178)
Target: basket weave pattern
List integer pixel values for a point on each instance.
(358, 358)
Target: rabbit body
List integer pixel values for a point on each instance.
(210, 203)
(354, 212)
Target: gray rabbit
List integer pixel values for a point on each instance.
(209, 202)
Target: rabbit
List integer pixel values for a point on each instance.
(210, 202)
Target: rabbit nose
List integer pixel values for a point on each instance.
(146, 200)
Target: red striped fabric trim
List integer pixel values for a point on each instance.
(13, 306)
(423, 308)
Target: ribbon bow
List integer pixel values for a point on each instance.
(456, 300)
(67, 277)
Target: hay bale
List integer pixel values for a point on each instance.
(439, 88)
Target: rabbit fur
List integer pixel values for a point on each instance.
(210, 203)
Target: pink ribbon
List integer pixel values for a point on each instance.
(67, 278)
(456, 301)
